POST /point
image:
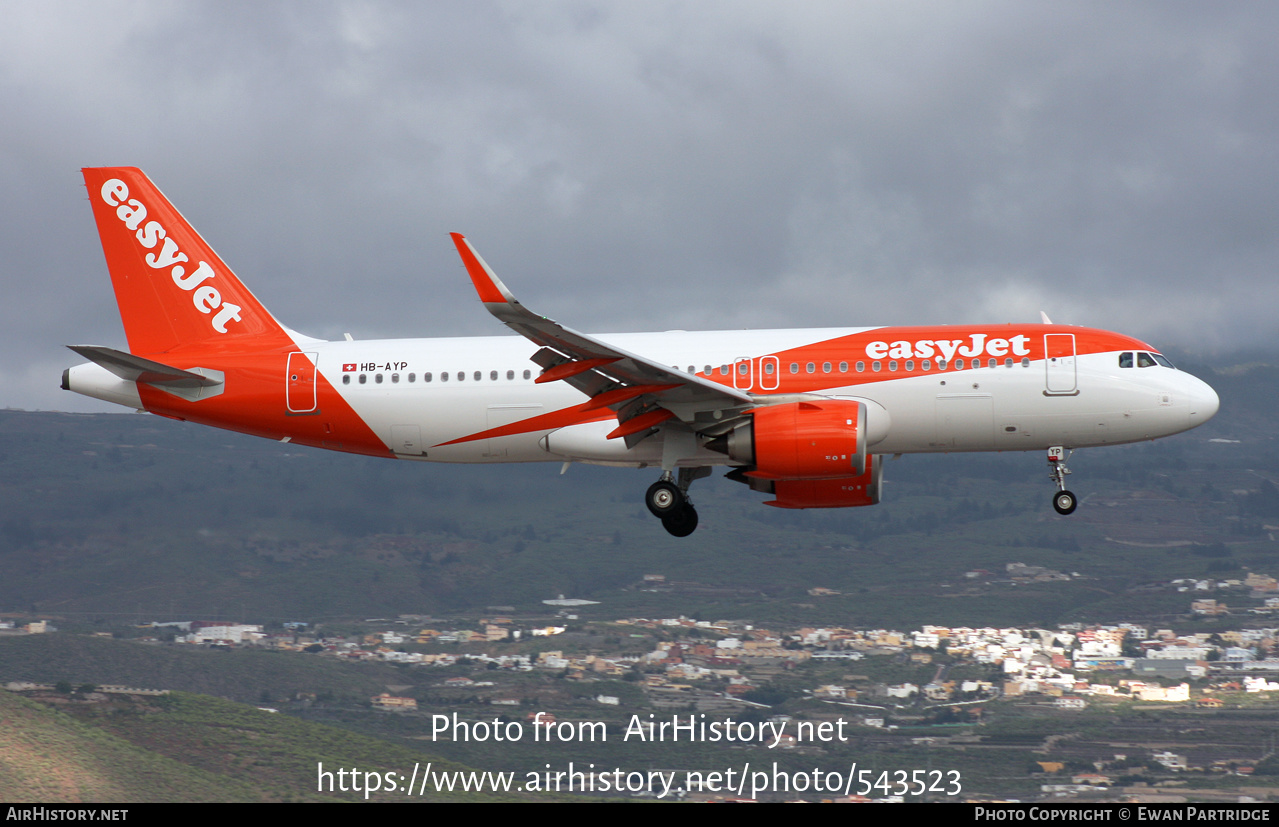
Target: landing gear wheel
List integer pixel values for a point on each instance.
(664, 498)
(1065, 502)
(681, 522)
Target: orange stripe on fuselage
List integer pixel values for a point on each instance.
(254, 402)
(857, 347)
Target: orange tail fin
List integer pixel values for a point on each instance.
(171, 287)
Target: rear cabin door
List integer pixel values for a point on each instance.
(300, 396)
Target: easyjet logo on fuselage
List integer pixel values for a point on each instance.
(205, 297)
(977, 344)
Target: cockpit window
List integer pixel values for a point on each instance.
(1145, 360)
(1163, 360)
(1125, 360)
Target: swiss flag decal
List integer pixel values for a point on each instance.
(348, 367)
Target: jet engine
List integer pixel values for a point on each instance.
(809, 440)
(846, 492)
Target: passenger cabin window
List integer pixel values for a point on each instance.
(528, 374)
(510, 374)
(910, 364)
(395, 379)
(843, 367)
(363, 378)
(941, 364)
(346, 379)
(794, 367)
(768, 368)
(377, 377)
(412, 377)
(876, 366)
(861, 366)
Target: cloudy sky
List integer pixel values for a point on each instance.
(649, 165)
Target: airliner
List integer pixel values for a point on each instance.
(806, 416)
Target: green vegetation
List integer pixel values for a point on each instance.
(242, 674)
(48, 756)
(183, 747)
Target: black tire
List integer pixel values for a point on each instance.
(664, 498)
(681, 522)
(1065, 502)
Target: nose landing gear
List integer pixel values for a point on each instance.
(668, 501)
(1063, 501)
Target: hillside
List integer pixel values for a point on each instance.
(183, 748)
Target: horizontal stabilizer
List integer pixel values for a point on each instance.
(136, 369)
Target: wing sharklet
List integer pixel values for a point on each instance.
(487, 284)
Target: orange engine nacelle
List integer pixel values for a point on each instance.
(800, 441)
(846, 492)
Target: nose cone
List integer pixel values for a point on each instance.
(1203, 401)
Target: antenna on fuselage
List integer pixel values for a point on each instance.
(1044, 316)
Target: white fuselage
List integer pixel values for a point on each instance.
(983, 409)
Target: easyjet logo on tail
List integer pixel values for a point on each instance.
(206, 298)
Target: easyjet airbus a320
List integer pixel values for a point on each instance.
(804, 415)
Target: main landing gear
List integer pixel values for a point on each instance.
(668, 501)
(1063, 501)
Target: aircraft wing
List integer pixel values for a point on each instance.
(633, 385)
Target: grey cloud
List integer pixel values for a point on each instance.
(649, 166)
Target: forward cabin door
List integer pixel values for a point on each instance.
(1059, 363)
